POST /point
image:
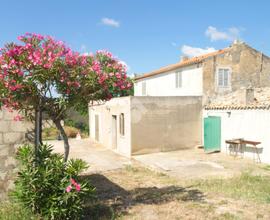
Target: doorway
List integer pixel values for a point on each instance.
(212, 134)
(114, 131)
(96, 127)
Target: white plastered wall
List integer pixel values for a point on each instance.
(251, 125)
(164, 84)
(115, 106)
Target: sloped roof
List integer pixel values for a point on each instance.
(183, 63)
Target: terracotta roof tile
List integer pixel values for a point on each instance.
(237, 107)
(183, 63)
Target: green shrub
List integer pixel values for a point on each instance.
(50, 187)
(83, 127)
(50, 133)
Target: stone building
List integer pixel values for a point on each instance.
(231, 86)
(210, 76)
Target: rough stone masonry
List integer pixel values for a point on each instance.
(12, 134)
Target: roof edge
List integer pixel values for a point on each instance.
(191, 61)
(238, 107)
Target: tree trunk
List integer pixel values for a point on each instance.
(65, 138)
(38, 128)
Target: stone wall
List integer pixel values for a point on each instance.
(249, 69)
(12, 133)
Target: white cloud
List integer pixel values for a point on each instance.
(230, 34)
(195, 51)
(110, 22)
(125, 64)
(83, 48)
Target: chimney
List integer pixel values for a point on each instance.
(183, 58)
(237, 42)
(247, 96)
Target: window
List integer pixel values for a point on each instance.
(122, 124)
(223, 77)
(178, 79)
(143, 88)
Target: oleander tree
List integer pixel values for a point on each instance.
(42, 75)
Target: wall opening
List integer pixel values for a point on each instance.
(122, 124)
(114, 132)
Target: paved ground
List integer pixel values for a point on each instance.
(192, 163)
(99, 158)
(195, 163)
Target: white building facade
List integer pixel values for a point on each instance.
(185, 81)
(248, 124)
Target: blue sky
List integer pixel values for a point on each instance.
(145, 34)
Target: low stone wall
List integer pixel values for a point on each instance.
(12, 133)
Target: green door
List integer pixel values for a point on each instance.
(212, 133)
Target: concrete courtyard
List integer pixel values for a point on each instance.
(98, 157)
(190, 164)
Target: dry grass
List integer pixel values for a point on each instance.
(52, 133)
(13, 211)
(244, 186)
(71, 132)
(139, 193)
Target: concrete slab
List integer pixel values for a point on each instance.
(195, 163)
(99, 158)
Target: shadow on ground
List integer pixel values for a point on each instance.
(113, 200)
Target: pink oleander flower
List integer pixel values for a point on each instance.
(72, 181)
(118, 75)
(78, 187)
(69, 188)
(17, 118)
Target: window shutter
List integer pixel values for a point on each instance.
(220, 77)
(143, 88)
(176, 80)
(180, 79)
(226, 77)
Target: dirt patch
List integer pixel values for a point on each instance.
(135, 192)
(195, 163)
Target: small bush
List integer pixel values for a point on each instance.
(83, 127)
(50, 133)
(71, 132)
(50, 187)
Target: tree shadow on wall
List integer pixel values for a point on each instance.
(113, 200)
